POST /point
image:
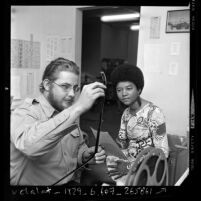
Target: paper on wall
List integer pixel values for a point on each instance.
(30, 83)
(25, 54)
(152, 54)
(66, 45)
(155, 27)
(15, 87)
(175, 48)
(58, 46)
(173, 68)
(51, 47)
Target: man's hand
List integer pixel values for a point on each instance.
(89, 95)
(118, 169)
(99, 156)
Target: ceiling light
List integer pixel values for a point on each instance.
(135, 27)
(121, 17)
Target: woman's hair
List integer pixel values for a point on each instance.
(56, 66)
(127, 72)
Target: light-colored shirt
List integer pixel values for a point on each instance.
(45, 144)
(144, 129)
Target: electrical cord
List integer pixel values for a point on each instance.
(104, 80)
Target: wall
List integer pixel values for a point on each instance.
(119, 43)
(132, 47)
(44, 21)
(114, 42)
(170, 92)
(100, 40)
(91, 46)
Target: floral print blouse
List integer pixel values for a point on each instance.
(144, 129)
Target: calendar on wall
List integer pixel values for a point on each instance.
(25, 54)
(25, 66)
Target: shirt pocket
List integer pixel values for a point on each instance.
(72, 143)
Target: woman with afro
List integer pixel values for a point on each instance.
(142, 122)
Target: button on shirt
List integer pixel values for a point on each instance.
(45, 144)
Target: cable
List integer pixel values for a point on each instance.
(73, 170)
(98, 133)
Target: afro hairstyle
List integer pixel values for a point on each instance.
(127, 72)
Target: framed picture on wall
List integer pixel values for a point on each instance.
(178, 21)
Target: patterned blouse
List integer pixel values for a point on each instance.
(144, 129)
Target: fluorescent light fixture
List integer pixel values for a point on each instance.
(135, 27)
(122, 17)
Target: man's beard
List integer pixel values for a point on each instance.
(55, 103)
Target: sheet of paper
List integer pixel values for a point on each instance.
(15, 87)
(155, 27)
(25, 54)
(173, 68)
(151, 57)
(30, 83)
(175, 48)
(58, 46)
(110, 146)
(66, 45)
(52, 45)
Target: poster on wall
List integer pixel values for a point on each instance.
(178, 21)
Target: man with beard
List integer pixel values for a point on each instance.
(46, 141)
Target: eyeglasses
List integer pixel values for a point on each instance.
(68, 87)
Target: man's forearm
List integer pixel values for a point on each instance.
(35, 138)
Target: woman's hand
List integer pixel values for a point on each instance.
(99, 156)
(118, 169)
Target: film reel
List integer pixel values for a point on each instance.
(149, 169)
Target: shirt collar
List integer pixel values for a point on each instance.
(46, 106)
